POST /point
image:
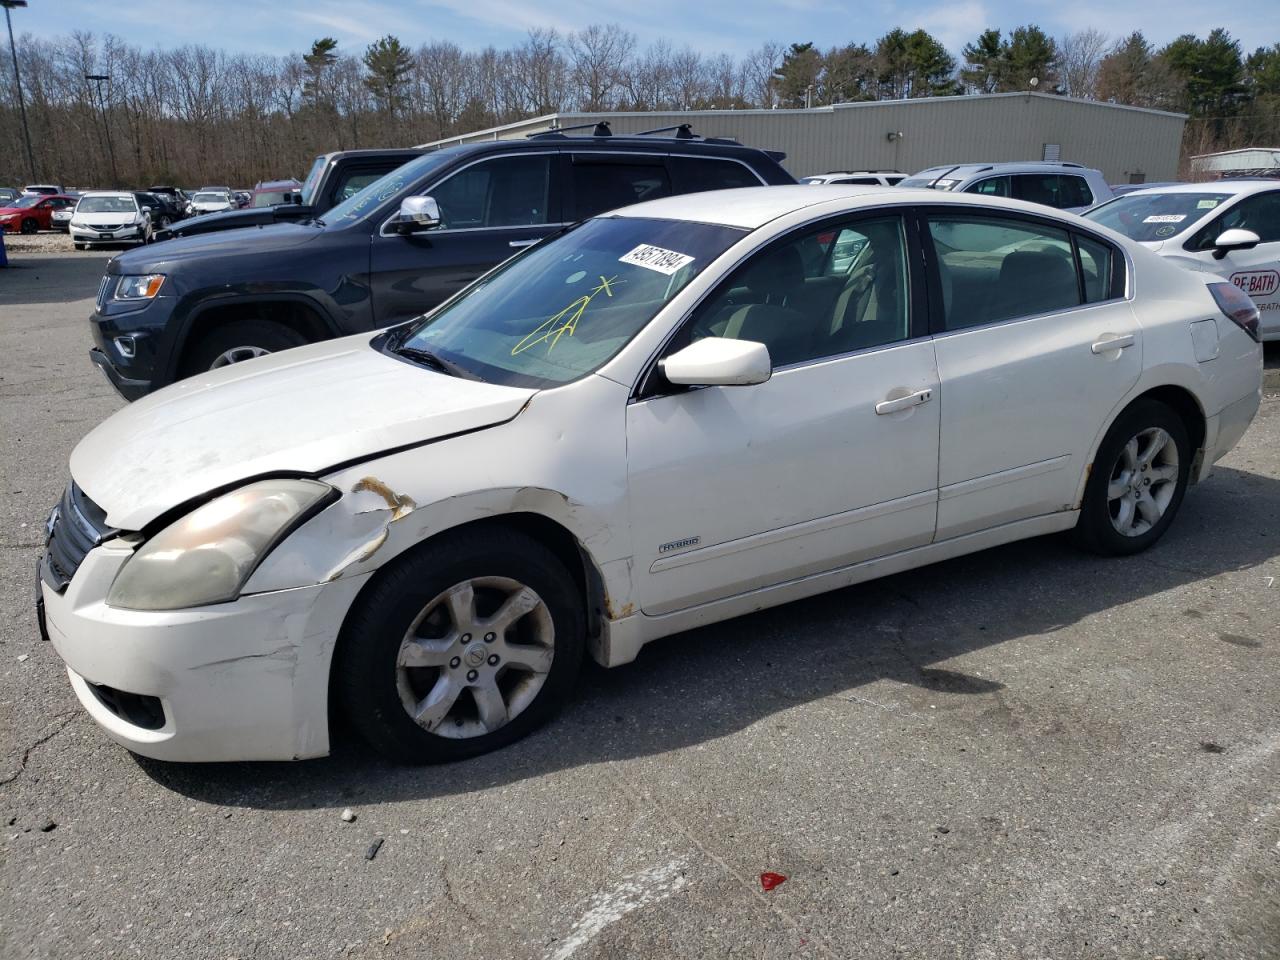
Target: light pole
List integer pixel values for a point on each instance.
(17, 80)
(97, 78)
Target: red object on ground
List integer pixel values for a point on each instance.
(771, 880)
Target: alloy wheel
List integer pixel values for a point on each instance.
(1143, 482)
(236, 355)
(475, 657)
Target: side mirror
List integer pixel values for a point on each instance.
(718, 361)
(418, 213)
(1234, 239)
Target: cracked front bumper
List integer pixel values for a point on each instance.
(246, 680)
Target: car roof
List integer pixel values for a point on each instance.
(753, 207)
(1233, 187)
(111, 193)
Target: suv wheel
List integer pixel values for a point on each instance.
(461, 647)
(241, 340)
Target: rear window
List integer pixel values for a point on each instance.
(695, 174)
(1152, 217)
(597, 187)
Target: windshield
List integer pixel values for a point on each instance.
(371, 198)
(25, 202)
(564, 308)
(1152, 217)
(124, 204)
(312, 182)
(211, 198)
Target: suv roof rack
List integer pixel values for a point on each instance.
(598, 129)
(683, 132)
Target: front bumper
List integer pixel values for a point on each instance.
(134, 232)
(128, 388)
(246, 680)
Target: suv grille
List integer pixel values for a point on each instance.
(75, 527)
(102, 290)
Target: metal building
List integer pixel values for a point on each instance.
(1128, 144)
(1249, 161)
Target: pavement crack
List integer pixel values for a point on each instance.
(66, 718)
(452, 898)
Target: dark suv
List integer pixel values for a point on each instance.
(196, 303)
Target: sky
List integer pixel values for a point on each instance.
(711, 26)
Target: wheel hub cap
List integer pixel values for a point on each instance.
(1143, 481)
(475, 657)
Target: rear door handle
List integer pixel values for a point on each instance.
(1112, 343)
(904, 403)
(523, 243)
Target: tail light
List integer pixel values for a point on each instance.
(1238, 307)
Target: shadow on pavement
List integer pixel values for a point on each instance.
(43, 278)
(707, 683)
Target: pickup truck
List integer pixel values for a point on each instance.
(333, 178)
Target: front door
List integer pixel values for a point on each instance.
(1256, 271)
(832, 461)
(1034, 353)
(489, 211)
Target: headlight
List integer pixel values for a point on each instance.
(207, 556)
(143, 287)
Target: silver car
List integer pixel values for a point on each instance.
(1064, 186)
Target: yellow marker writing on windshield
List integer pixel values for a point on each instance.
(566, 321)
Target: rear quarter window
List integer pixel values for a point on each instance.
(695, 174)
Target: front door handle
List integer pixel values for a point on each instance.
(904, 403)
(517, 244)
(1112, 343)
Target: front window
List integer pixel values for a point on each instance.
(1152, 217)
(565, 307)
(107, 205)
(27, 203)
(212, 198)
(502, 192)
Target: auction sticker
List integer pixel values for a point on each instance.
(1166, 218)
(1208, 204)
(656, 258)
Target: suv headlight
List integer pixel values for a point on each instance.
(207, 556)
(141, 287)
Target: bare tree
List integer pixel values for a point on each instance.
(1079, 59)
(598, 56)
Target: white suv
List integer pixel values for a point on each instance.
(1063, 186)
(1228, 227)
(857, 178)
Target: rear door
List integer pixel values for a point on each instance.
(1036, 345)
(490, 209)
(599, 181)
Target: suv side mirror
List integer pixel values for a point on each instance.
(1234, 239)
(719, 361)
(418, 213)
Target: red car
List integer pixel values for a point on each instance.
(31, 213)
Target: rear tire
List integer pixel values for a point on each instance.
(240, 340)
(1138, 480)
(460, 661)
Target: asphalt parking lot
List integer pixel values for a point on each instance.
(1026, 753)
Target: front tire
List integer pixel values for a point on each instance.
(237, 341)
(29, 226)
(460, 647)
(1139, 478)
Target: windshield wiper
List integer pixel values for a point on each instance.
(439, 363)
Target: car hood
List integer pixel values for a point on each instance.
(10, 211)
(224, 244)
(231, 219)
(301, 411)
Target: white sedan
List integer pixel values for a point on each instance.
(682, 412)
(1230, 228)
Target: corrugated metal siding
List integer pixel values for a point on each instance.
(1120, 141)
